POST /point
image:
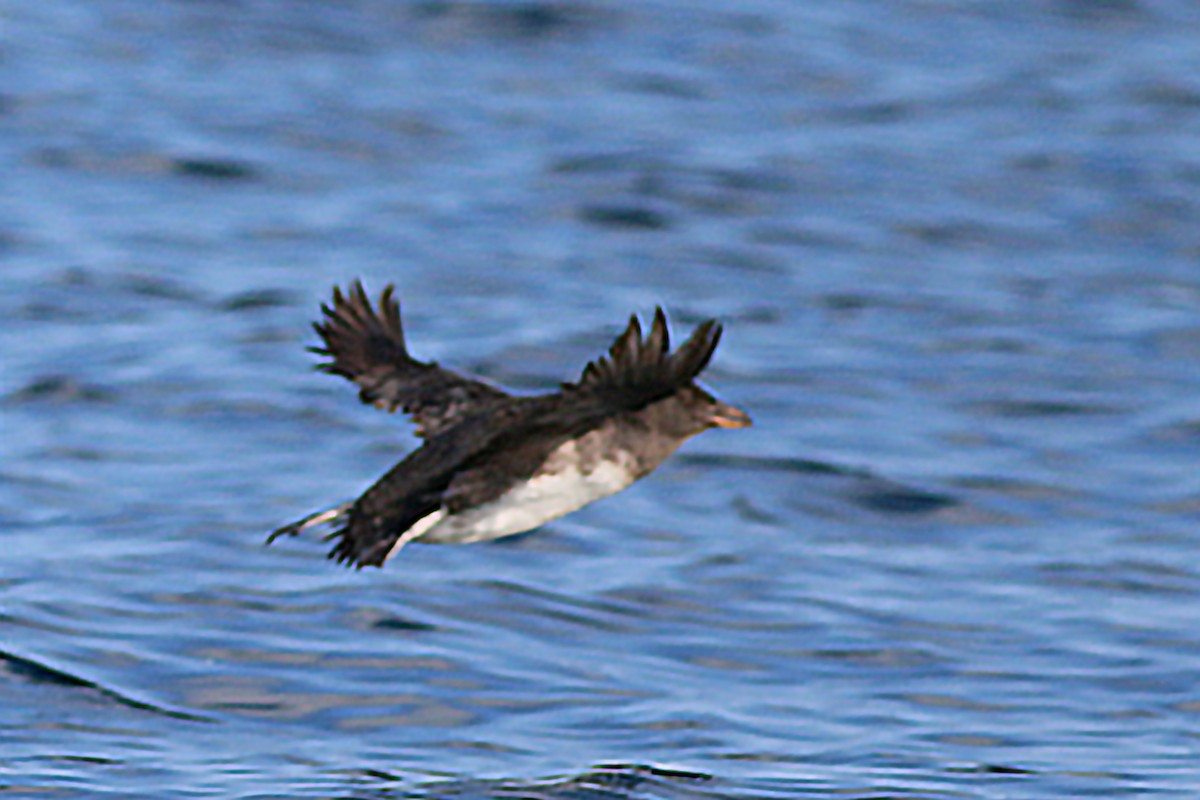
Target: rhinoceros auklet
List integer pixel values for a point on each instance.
(494, 464)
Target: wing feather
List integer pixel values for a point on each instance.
(639, 370)
(366, 345)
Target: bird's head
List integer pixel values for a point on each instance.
(693, 409)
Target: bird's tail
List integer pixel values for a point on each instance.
(334, 516)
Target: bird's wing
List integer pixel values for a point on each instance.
(404, 496)
(366, 345)
(418, 485)
(639, 370)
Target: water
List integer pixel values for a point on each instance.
(954, 246)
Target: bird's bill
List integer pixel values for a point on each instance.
(726, 416)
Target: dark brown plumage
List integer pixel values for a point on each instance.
(492, 463)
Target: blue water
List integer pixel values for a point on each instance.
(955, 246)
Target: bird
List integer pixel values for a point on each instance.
(492, 463)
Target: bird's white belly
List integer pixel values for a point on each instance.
(530, 504)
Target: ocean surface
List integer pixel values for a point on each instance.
(956, 248)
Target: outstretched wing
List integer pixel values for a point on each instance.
(638, 371)
(366, 345)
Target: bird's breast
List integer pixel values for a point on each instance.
(562, 486)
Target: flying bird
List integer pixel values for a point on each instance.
(494, 464)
